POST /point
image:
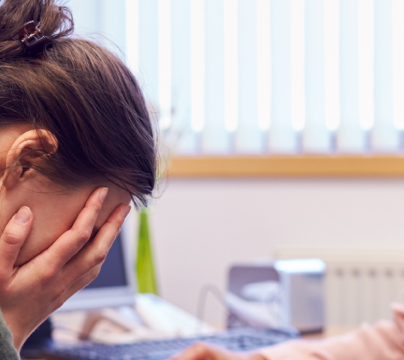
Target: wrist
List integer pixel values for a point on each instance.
(19, 336)
(18, 341)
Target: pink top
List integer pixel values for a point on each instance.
(383, 341)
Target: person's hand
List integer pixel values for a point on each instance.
(30, 293)
(204, 351)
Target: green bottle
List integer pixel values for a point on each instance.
(146, 277)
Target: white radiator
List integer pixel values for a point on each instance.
(360, 284)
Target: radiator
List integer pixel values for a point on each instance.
(360, 284)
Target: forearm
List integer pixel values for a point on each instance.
(297, 349)
(383, 341)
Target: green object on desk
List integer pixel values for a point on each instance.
(146, 276)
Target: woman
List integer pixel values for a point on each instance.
(76, 146)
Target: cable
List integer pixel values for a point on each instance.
(203, 294)
(213, 289)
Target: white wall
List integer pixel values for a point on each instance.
(200, 227)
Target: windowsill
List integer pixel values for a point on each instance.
(287, 166)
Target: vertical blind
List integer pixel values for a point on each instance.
(263, 76)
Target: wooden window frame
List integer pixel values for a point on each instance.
(304, 166)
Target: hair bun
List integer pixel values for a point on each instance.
(55, 22)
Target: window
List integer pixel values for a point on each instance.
(260, 77)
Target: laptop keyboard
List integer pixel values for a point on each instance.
(239, 339)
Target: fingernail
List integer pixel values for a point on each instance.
(23, 215)
(126, 212)
(103, 194)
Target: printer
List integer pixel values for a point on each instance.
(285, 293)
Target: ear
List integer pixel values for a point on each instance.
(28, 149)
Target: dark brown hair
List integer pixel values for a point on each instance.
(80, 92)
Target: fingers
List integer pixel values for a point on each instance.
(13, 237)
(76, 286)
(203, 351)
(70, 243)
(95, 253)
(200, 351)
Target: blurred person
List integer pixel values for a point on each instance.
(73, 122)
(76, 147)
(382, 341)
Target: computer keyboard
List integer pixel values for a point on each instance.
(238, 339)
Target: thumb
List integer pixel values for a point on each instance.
(13, 237)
